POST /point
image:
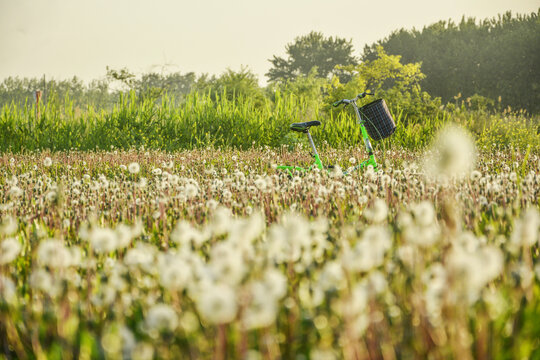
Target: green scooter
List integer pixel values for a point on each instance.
(382, 128)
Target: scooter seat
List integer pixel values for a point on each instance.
(304, 126)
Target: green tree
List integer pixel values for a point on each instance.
(492, 57)
(126, 78)
(309, 51)
(388, 78)
(153, 85)
(232, 84)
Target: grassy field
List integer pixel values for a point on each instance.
(213, 253)
(201, 120)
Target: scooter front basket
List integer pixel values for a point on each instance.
(378, 120)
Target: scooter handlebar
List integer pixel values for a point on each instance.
(364, 94)
(348, 101)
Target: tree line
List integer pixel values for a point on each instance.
(498, 57)
(491, 63)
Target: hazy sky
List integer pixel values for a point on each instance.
(62, 38)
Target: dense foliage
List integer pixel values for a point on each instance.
(313, 50)
(233, 111)
(494, 58)
(202, 120)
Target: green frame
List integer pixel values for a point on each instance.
(290, 169)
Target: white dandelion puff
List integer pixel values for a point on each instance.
(161, 317)
(185, 235)
(175, 274)
(453, 153)
(142, 256)
(9, 226)
(377, 212)
(262, 309)
(424, 213)
(8, 291)
(9, 250)
(103, 240)
(47, 162)
(16, 192)
(526, 229)
(53, 253)
(134, 168)
(217, 303)
(191, 191)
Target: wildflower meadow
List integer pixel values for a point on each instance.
(215, 253)
(163, 213)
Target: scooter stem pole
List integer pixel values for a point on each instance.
(318, 161)
(369, 149)
(312, 144)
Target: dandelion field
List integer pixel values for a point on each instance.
(213, 253)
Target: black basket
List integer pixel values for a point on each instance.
(378, 120)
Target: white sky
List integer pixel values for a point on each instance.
(63, 38)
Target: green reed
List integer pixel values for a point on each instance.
(201, 120)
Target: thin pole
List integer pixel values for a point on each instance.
(38, 98)
(369, 149)
(312, 144)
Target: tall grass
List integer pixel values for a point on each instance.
(201, 120)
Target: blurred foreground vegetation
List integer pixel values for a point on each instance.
(211, 253)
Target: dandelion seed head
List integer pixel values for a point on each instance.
(185, 235)
(377, 212)
(53, 253)
(453, 153)
(526, 229)
(124, 235)
(16, 192)
(8, 291)
(42, 280)
(217, 303)
(134, 168)
(9, 250)
(471, 271)
(161, 317)
(51, 196)
(142, 256)
(226, 263)
(9, 226)
(262, 309)
(103, 240)
(142, 183)
(175, 274)
(191, 191)
(424, 213)
(260, 183)
(332, 276)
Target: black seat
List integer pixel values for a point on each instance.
(304, 126)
